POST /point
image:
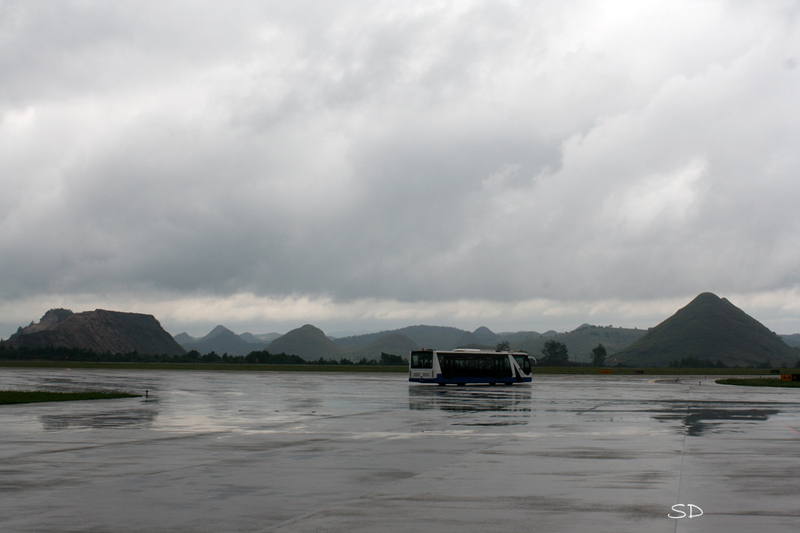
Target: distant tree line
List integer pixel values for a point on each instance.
(50, 353)
(386, 359)
(258, 357)
(555, 353)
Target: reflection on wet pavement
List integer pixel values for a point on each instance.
(501, 406)
(296, 452)
(698, 419)
(130, 419)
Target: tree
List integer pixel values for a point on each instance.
(555, 353)
(391, 359)
(599, 355)
(503, 346)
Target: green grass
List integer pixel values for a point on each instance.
(759, 382)
(10, 396)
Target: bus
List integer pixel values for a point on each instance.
(462, 366)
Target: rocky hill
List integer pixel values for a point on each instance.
(308, 342)
(100, 331)
(709, 328)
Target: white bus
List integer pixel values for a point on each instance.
(462, 366)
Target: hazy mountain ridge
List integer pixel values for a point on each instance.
(579, 342)
(792, 340)
(259, 338)
(184, 338)
(220, 340)
(401, 341)
(392, 343)
(439, 337)
(708, 328)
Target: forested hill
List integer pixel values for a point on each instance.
(582, 340)
(711, 329)
(309, 342)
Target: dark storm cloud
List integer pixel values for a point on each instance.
(360, 151)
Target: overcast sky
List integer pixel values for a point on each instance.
(365, 165)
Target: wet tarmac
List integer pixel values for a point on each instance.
(300, 452)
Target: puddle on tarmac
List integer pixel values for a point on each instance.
(128, 419)
(697, 421)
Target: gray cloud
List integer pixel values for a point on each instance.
(374, 152)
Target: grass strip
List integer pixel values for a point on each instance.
(12, 396)
(759, 382)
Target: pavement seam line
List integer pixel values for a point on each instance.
(683, 456)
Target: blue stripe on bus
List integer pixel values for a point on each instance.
(440, 379)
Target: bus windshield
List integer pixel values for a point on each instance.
(421, 359)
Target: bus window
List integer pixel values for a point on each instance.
(524, 363)
(421, 359)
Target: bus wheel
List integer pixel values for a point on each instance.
(440, 384)
(461, 384)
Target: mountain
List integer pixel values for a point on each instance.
(485, 336)
(518, 336)
(221, 340)
(792, 340)
(392, 343)
(249, 338)
(709, 328)
(582, 340)
(437, 337)
(259, 338)
(184, 338)
(100, 331)
(354, 342)
(467, 338)
(308, 342)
